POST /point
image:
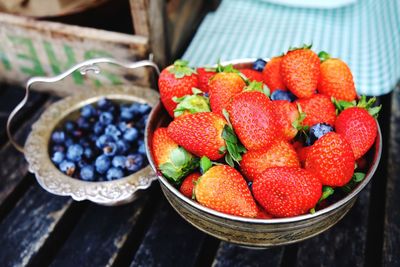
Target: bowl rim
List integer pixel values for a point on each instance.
(375, 162)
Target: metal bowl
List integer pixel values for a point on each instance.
(248, 231)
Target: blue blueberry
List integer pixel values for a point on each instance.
(103, 140)
(67, 167)
(113, 131)
(82, 163)
(75, 152)
(88, 111)
(259, 64)
(98, 128)
(58, 137)
(142, 121)
(68, 142)
(317, 131)
(283, 95)
(124, 125)
(69, 126)
(106, 118)
(83, 123)
(110, 149)
(131, 134)
(126, 114)
(119, 161)
(104, 104)
(102, 164)
(122, 146)
(141, 147)
(58, 157)
(250, 185)
(87, 173)
(88, 152)
(114, 173)
(134, 162)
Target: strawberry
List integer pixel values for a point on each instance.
(254, 120)
(287, 191)
(194, 103)
(318, 108)
(173, 161)
(224, 189)
(272, 74)
(255, 162)
(331, 159)
(263, 214)
(252, 75)
(300, 71)
(359, 128)
(176, 81)
(288, 117)
(204, 75)
(223, 86)
(187, 185)
(335, 79)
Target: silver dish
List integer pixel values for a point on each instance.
(251, 232)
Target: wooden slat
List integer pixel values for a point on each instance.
(158, 37)
(100, 234)
(27, 228)
(40, 48)
(391, 243)
(170, 240)
(140, 16)
(233, 255)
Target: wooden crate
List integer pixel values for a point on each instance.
(31, 47)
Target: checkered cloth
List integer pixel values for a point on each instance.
(366, 35)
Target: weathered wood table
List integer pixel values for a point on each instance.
(40, 229)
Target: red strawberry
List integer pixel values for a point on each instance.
(300, 71)
(358, 127)
(272, 74)
(224, 189)
(188, 184)
(287, 116)
(255, 162)
(173, 161)
(331, 159)
(199, 133)
(204, 78)
(263, 214)
(223, 86)
(287, 191)
(336, 79)
(254, 120)
(252, 75)
(318, 108)
(176, 81)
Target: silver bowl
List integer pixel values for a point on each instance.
(251, 232)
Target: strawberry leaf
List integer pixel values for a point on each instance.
(205, 164)
(374, 112)
(192, 104)
(254, 86)
(357, 177)
(326, 192)
(229, 160)
(181, 69)
(323, 56)
(305, 46)
(233, 146)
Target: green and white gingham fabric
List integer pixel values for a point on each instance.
(366, 35)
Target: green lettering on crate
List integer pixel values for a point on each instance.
(4, 59)
(28, 55)
(114, 79)
(56, 64)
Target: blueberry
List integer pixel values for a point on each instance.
(283, 95)
(124, 125)
(126, 114)
(88, 111)
(113, 131)
(68, 142)
(59, 148)
(131, 134)
(141, 147)
(87, 173)
(317, 131)
(134, 162)
(82, 163)
(110, 149)
(83, 123)
(250, 185)
(259, 64)
(88, 153)
(142, 121)
(103, 140)
(58, 137)
(69, 126)
(74, 152)
(67, 167)
(122, 146)
(144, 108)
(77, 134)
(98, 128)
(119, 161)
(102, 164)
(106, 118)
(58, 157)
(114, 173)
(85, 142)
(104, 104)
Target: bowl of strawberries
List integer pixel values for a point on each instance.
(263, 153)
